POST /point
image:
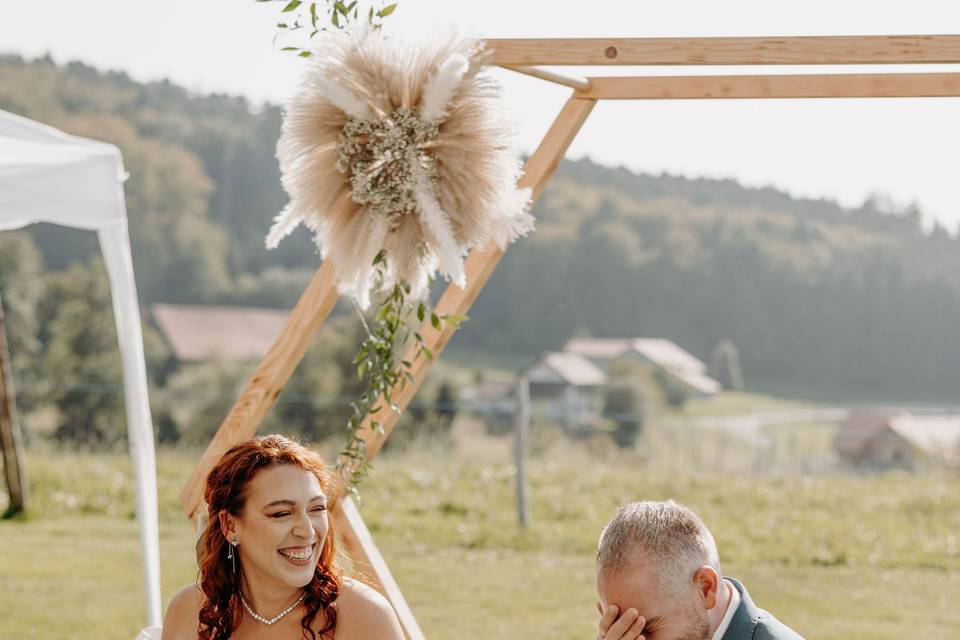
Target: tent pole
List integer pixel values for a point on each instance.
(115, 245)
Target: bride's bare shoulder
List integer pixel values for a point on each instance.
(183, 614)
(363, 613)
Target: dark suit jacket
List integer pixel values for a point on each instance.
(750, 622)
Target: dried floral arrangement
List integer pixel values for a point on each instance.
(399, 161)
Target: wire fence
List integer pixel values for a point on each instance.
(757, 443)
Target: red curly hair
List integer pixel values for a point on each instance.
(226, 492)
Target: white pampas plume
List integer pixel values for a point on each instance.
(437, 222)
(439, 90)
(355, 264)
(283, 225)
(343, 99)
(470, 196)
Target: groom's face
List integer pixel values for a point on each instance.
(669, 616)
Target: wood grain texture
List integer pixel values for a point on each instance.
(268, 380)
(479, 265)
(899, 49)
(367, 559)
(879, 85)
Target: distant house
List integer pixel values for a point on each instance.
(198, 333)
(885, 440)
(566, 386)
(657, 351)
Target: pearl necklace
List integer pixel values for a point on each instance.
(270, 621)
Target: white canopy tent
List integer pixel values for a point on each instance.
(49, 176)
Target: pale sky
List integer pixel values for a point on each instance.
(841, 149)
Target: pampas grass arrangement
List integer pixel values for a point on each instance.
(402, 150)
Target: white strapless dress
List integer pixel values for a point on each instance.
(150, 633)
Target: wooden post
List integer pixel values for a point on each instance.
(522, 425)
(11, 439)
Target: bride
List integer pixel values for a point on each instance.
(267, 556)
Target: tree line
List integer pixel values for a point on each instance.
(814, 295)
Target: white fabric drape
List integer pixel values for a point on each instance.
(49, 176)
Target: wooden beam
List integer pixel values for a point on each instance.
(369, 563)
(580, 84)
(900, 49)
(866, 85)
(479, 265)
(11, 437)
(267, 382)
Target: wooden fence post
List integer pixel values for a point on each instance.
(11, 439)
(522, 426)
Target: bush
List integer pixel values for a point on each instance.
(624, 403)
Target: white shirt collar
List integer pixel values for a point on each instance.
(731, 609)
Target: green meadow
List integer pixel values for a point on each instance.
(836, 557)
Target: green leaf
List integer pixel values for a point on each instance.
(282, 25)
(305, 54)
(293, 4)
(290, 49)
(435, 321)
(339, 6)
(383, 13)
(335, 19)
(313, 15)
(427, 353)
(454, 321)
(421, 311)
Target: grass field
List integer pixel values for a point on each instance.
(835, 557)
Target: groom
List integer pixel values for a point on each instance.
(658, 574)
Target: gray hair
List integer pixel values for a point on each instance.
(672, 537)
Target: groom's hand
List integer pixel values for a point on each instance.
(613, 626)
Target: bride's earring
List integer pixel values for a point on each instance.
(231, 553)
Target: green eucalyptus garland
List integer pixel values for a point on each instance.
(382, 370)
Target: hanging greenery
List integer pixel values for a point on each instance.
(307, 19)
(377, 365)
(398, 160)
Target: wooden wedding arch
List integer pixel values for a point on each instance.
(528, 56)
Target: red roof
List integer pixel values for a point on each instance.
(205, 332)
